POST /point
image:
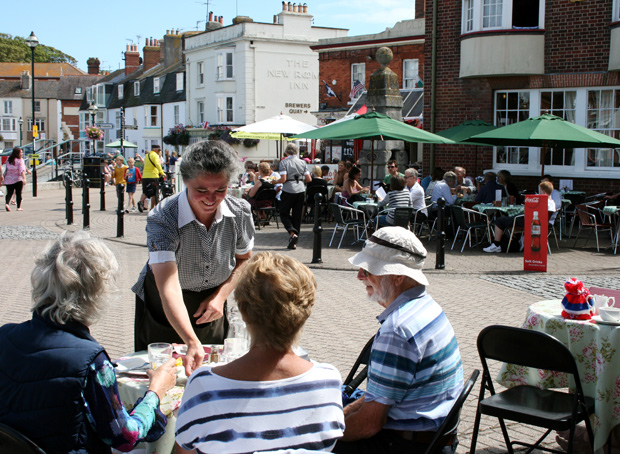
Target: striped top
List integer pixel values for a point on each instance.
(221, 415)
(396, 199)
(415, 364)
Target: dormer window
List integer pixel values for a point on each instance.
(156, 82)
(121, 91)
(136, 88)
(78, 90)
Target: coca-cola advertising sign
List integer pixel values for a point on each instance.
(536, 228)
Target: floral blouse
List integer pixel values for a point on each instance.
(108, 417)
(14, 171)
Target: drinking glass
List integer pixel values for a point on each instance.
(159, 353)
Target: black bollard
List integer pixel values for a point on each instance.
(120, 212)
(317, 230)
(68, 200)
(440, 259)
(85, 204)
(34, 178)
(102, 194)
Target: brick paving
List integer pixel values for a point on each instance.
(475, 289)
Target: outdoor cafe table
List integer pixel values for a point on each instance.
(132, 387)
(594, 347)
(510, 210)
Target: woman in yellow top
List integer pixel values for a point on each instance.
(150, 177)
(118, 175)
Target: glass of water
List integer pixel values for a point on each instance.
(159, 354)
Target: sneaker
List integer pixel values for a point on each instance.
(493, 248)
(140, 207)
(134, 209)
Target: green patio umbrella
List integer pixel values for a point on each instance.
(117, 144)
(373, 126)
(546, 131)
(466, 130)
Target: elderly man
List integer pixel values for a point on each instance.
(487, 192)
(415, 372)
(463, 180)
(416, 191)
(447, 188)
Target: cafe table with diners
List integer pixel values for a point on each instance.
(594, 344)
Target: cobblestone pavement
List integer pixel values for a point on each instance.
(475, 289)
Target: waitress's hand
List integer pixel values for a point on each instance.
(212, 308)
(193, 358)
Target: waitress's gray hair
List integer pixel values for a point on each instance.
(72, 278)
(214, 157)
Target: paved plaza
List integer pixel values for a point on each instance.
(475, 289)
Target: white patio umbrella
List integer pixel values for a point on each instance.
(274, 128)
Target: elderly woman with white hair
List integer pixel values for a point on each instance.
(198, 241)
(270, 398)
(58, 385)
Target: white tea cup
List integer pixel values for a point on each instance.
(610, 314)
(603, 301)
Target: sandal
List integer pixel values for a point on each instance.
(292, 242)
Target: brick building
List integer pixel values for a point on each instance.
(503, 61)
(344, 60)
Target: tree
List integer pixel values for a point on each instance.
(13, 49)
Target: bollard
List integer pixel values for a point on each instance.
(440, 259)
(85, 204)
(34, 178)
(102, 194)
(318, 230)
(68, 200)
(120, 212)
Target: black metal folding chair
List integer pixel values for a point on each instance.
(12, 441)
(266, 206)
(552, 410)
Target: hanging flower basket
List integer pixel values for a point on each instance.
(94, 133)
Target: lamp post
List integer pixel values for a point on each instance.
(21, 131)
(32, 41)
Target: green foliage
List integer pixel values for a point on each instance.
(13, 49)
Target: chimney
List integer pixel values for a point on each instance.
(221, 20)
(152, 54)
(420, 6)
(172, 49)
(132, 59)
(305, 7)
(210, 16)
(93, 66)
(25, 80)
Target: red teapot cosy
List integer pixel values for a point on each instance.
(577, 304)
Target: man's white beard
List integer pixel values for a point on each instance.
(384, 293)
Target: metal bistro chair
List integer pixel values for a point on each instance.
(270, 212)
(525, 404)
(421, 222)
(464, 226)
(343, 224)
(402, 217)
(12, 441)
(589, 220)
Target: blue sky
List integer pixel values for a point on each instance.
(103, 28)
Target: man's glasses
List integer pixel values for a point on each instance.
(366, 273)
(391, 167)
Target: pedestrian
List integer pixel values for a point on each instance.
(132, 177)
(198, 241)
(173, 169)
(293, 175)
(150, 178)
(15, 178)
(118, 176)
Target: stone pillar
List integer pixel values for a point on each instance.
(383, 96)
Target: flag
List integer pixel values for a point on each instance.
(330, 93)
(362, 110)
(356, 89)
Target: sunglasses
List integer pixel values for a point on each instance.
(391, 167)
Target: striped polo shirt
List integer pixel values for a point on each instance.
(415, 364)
(221, 415)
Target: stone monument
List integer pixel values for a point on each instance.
(383, 96)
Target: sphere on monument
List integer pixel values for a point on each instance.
(384, 55)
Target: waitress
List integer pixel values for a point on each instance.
(198, 241)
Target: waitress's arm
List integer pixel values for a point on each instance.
(212, 307)
(167, 279)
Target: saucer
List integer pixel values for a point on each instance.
(599, 320)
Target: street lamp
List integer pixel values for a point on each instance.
(32, 41)
(21, 130)
(92, 110)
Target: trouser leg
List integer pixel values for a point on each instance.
(298, 211)
(286, 204)
(10, 189)
(18, 193)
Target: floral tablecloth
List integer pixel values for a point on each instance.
(511, 210)
(594, 348)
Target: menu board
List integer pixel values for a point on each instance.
(536, 227)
